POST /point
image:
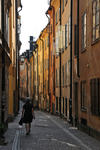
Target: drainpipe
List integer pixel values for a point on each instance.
(27, 79)
(49, 61)
(70, 100)
(43, 63)
(18, 65)
(78, 73)
(60, 64)
(37, 80)
(53, 42)
(3, 66)
(16, 5)
(17, 55)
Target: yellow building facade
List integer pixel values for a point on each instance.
(14, 44)
(43, 68)
(12, 68)
(40, 71)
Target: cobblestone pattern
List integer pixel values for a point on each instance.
(50, 132)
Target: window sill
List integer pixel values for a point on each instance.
(95, 42)
(83, 109)
(83, 50)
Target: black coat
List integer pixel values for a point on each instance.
(27, 112)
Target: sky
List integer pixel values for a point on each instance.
(33, 20)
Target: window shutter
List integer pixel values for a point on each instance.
(99, 96)
(92, 93)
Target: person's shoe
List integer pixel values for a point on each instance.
(3, 142)
(27, 133)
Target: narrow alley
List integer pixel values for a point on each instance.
(50, 60)
(48, 132)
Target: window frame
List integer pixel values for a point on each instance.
(94, 39)
(83, 96)
(95, 96)
(66, 36)
(84, 34)
(63, 5)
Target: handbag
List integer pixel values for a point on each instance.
(21, 121)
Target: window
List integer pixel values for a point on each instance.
(56, 78)
(48, 41)
(66, 35)
(45, 44)
(63, 75)
(7, 27)
(63, 38)
(96, 19)
(0, 15)
(63, 105)
(95, 96)
(69, 30)
(56, 103)
(84, 31)
(66, 106)
(63, 6)
(57, 43)
(59, 14)
(66, 74)
(83, 95)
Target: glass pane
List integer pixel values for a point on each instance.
(97, 32)
(84, 41)
(98, 4)
(85, 18)
(94, 21)
(94, 7)
(84, 30)
(97, 18)
(93, 34)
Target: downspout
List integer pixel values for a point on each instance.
(43, 63)
(49, 59)
(37, 80)
(27, 78)
(53, 42)
(70, 100)
(19, 68)
(60, 63)
(16, 55)
(3, 65)
(33, 81)
(78, 73)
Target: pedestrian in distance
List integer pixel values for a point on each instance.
(28, 115)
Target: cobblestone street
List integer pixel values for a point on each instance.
(48, 133)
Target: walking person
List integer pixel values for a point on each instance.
(28, 115)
